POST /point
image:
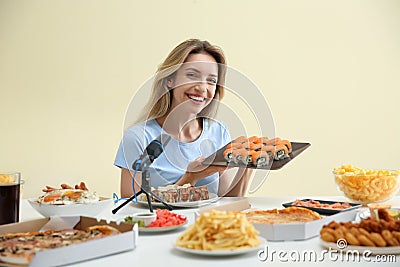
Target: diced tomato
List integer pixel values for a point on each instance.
(166, 218)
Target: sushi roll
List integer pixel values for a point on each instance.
(273, 142)
(286, 143)
(256, 147)
(281, 151)
(276, 152)
(270, 150)
(234, 145)
(240, 155)
(240, 139)
(260, 158)
(228, 154)
(254, 139)
(264, 140)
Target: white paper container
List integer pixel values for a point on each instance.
(301, 231)
(125, 241)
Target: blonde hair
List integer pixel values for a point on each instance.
(159, 102)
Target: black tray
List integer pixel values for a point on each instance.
(218, 159)
(323, 211)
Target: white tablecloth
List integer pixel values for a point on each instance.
(156, 249)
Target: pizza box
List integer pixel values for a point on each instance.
(284, 232)
(91, 249)
(301, 231)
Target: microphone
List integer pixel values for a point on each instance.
(152, 151)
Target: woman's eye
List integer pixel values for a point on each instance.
(191, 75)
(213, 81)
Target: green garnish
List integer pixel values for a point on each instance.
(130, 220)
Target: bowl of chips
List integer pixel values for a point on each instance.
(367, 185)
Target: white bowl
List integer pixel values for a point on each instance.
(146, 217)
(90, 209)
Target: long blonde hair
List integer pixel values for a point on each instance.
(159, 102)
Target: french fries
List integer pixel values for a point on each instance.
(366, 185)
(219, 230)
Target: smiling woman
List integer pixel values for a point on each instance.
(185, 96)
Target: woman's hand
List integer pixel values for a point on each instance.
(196, 171)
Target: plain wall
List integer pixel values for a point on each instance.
(329, 70)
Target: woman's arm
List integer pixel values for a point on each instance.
(237, 186)
(126, 182)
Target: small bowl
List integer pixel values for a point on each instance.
(367, 186)
(146, 217)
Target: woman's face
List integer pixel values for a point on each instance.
(194, 84)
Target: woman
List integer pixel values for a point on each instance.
(184, 100)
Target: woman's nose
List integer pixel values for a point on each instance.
(202, 85)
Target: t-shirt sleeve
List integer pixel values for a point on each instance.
(130, 149)
(226, 136)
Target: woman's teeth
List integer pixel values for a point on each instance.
(196, 98)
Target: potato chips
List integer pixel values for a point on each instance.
(219, 230)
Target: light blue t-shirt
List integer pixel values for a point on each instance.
(169, 167)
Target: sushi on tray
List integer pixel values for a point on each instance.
(257, 151)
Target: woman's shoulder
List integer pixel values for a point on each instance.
(146, 128)
(214, 124)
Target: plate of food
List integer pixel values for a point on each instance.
(220, 233)
(69, 201)
(376, 235)
(185, 196)
(163, 222)
(256, 153)
(323, 207)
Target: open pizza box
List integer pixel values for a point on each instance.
(285, 232)
(87, 250)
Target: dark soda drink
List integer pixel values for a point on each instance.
(9, 203)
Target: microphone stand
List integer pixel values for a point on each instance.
(145, 189)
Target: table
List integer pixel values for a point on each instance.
(156, 249)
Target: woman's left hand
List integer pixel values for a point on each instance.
(196, 170)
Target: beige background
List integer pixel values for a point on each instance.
(330, 71)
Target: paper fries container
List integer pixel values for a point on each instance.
(91, 249)
(301, 231)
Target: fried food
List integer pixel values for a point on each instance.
(219, 230)
(369, 232)
(366, 185)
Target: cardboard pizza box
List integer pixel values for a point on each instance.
(301, 231)
(91, 249)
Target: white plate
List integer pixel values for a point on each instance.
(223, 252)
(190, 204)
(373, 250)
(90, 209)
(161, 229)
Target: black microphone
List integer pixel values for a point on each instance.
(152, 151)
